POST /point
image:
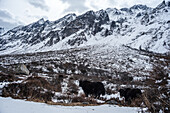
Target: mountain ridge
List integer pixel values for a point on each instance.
(139, 27)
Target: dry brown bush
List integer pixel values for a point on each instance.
(34, 88)
(50, 68)
(56, 82)
(157, 96)
(6, 77)
(73, 88)
(79, 99)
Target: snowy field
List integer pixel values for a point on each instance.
(9, 105)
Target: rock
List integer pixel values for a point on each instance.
(96, 28)
(113, 25)
(112, 102)
(85, 103)
(168, 3)
(138, 7)
(138, 15)
(160, 6)
(107, 33)
(22, 69)
(145, 19)
(54, 38)
(124, 76)
(77, 41)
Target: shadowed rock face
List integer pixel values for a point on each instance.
(87, 19)
(54, 38)
(144, 7)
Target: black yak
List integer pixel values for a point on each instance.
(130, 94)
(98, 89)
(87, 87)
(92, 88)
(123, 92)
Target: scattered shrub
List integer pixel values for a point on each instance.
(7, 78)
(157, 96)
(79, 99)
(33, 88)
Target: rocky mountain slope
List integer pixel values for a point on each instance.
(139, 27)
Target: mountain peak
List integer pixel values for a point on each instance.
(70, 15)
(161, 5)
(113, 11)
(139, 6)
(40, 21)
(68, 18)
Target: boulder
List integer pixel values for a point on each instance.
(112, 102)
(22, 69)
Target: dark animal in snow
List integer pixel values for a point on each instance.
(86, 86)
(92, 88)
(123, 92)
(98, 89)
(130, 94)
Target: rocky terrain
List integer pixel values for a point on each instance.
(54, 76)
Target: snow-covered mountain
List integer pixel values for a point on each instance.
(139, 27)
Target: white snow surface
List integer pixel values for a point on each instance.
(9, 105)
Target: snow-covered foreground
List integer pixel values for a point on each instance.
(9, 105)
